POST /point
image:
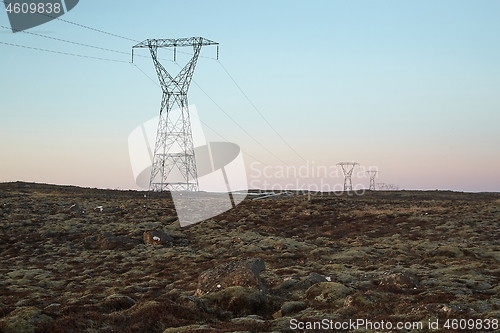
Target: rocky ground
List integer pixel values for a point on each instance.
(87, 260)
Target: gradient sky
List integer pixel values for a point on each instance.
(409, 87)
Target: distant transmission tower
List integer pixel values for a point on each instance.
(347, 168)
(373, 174)
(392, 187)
(381, 186)
(174, 148)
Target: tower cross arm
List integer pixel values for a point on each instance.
(348, 163)
(177, 42)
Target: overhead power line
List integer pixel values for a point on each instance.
(79, 25)
(74, 43)
(68, 41)
(133, 64)
(249, 155)
(121, 52)
(239, 126)
(65, 53)
(256, 109)
(201, 121)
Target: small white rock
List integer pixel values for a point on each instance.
(156, 238)
(328, 278)
(219, 286)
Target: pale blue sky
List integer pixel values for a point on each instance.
(411, 87)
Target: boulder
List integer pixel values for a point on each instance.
(328, 292)
(75, 210)
(143, 307)
(314, 278)
(192, 302)
(289, 283)
(289, 308)
(116, 302)
(24, 319)
(108, 241)
(156, 237)
(244, 273)
(364, 299)
(241, 301)
(402, 280)
(53, 309)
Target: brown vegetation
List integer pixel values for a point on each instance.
(75, 260)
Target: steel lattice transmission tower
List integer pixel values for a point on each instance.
(392, 187)
(373, 174)
(347, 169)
(174, 148)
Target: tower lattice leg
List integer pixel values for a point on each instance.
(372, 174)
(347, 169)
(174, 149)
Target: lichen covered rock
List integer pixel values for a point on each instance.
(328, 292)
(24, 320)
(108, 241)
(402, 280)
(241, 301)
(244, 273)
(156, 237)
